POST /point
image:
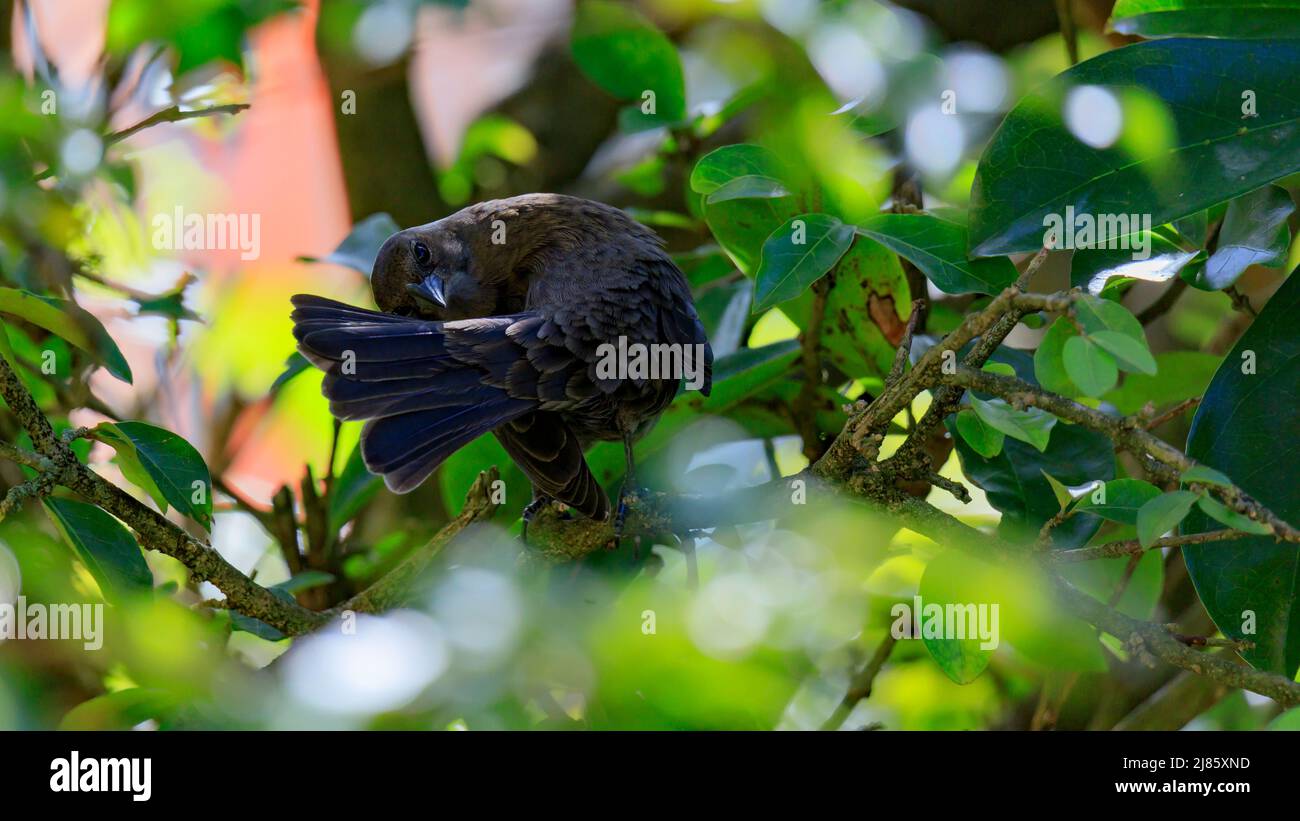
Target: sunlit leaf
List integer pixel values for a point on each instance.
(175, 468)
(70, 322)
(104, 545)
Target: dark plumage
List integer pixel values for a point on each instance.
(493, 319)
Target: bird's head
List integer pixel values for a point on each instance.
(431, 270)
(480, 260)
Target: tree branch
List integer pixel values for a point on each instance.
(174, 114)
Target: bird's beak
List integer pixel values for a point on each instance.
(429, 290)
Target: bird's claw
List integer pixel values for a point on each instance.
(620, 514)
(529, 511)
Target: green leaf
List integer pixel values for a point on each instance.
(294, 365)
(305, 580)
(1119, 500)
(1062, 493)
(1222, 513)
(1245, 428)
(1096, 314)
(1130, 354)
(70, 322)
(1195, 228)
(1254, 232)
(259, 628)
(1100, 579)
(463, 467)
(866, 310)
(982, 437)
(1033, 426)
(1014, 482)
(1088, 366)
(120, 709)
(1168, 159)
(1162, 514)
(751, 186)
(201, 31)
(1015, 485)
(937, 246)
(353, 490)
(360, 247)
(176, 469)
(732, 162)
(742, 225)
(104, 545)
(1093, 269)
(797, 255)
(623, 53)
(1180, 375)
(945, 583)
(1049, 359)
(1205, 475)
(1262, 19)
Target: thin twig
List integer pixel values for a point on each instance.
(860, 685)
(1172, 413)
(174, 114)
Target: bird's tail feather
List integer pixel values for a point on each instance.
(423, 403)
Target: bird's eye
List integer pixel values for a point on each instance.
(422, 254)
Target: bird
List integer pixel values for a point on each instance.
(509, 316)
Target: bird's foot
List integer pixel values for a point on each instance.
(621, 511)
(530, 510)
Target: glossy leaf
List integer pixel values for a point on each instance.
(1095, 269)
(798, 254)
(938, 247)
(1183, 142)
(751, 186)
(1254, 232)
(176, 470)
(1205, 475)
(104, 545)
(741, 225)
(1265, 19)
(1245, 428)
(1119, 500)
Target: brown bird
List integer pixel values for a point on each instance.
(504, 317)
